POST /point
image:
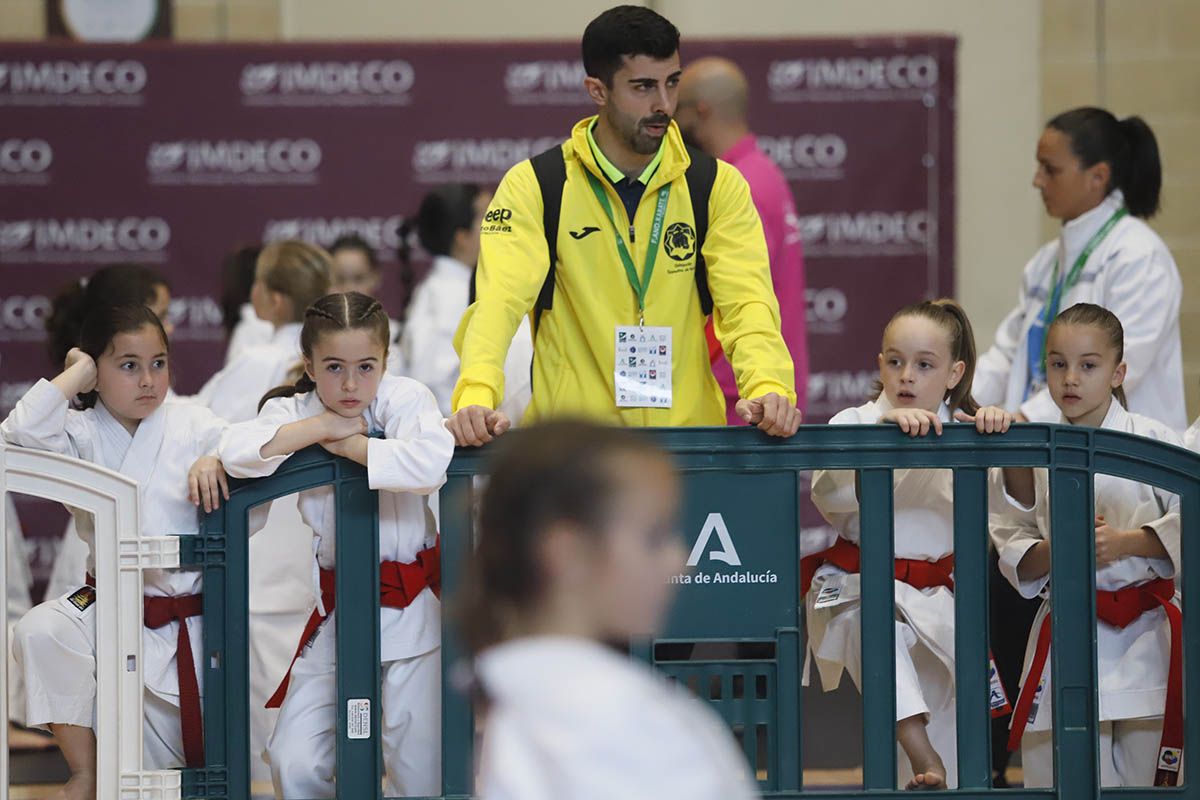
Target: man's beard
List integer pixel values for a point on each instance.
(643, 143)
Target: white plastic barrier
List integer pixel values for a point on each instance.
(121, 555)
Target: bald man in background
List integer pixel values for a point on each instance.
(713, 98)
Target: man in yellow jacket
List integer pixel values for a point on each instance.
(623, 339)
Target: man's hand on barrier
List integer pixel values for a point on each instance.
(207, 483)
(773, 413)
(475, 426)
(914, 421)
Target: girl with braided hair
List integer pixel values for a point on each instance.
(343, 395)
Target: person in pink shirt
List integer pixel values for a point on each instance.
(713, 97)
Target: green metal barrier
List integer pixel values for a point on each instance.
(741, 517)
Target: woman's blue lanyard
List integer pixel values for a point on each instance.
(1058, 288)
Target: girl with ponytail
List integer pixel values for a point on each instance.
(1102, 178)
(926, 371)
(1137, 547)
(289, 276)
(343, 395)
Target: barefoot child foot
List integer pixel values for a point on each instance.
(928, 770)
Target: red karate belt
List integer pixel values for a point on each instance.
(399, 585)
(160, 611)
(846, 556)
(1119, 609)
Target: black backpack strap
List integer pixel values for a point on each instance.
(701, 174)
(551, 172)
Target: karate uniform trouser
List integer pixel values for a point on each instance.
(54, 647)
(281, 598)
(1128, 753)
(916, 664)
(302, 748)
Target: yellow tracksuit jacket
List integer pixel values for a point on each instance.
(575, 345)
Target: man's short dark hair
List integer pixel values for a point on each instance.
(626, 31)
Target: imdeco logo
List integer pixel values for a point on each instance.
(354, 83)
(867, 233)
(49, 83)
(84, 240)
(382, 233)
(25, 162)
(234, 161)
(550, 83)
(808, 156)
(473, 159)
(23, 318)
(852, 78)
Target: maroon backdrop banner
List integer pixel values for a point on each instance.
(171, 155)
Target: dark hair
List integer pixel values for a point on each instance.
(114, 285)
(1103, 319)
(953, 319)
(103, 324)
(556, 472)
(352, 241)
(237, 276)
(299, 270)
(626, 31)
(1128, 147)
(347, 311)
(443, 212)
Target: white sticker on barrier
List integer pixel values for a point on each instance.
(358, 718)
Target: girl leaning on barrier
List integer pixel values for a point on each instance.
(926, 364)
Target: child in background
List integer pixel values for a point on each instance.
(1137, 557)
(289, 276)
(343, 395)
(925, 371)
(578, 536)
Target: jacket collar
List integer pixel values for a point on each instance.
(673, 152)
(1076, 233)
(1117, 418)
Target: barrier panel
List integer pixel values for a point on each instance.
(734, 635)
(112, 500)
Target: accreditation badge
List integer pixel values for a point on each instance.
(642, 371)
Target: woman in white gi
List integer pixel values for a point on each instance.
(342, 395)
(1137, 557)
(578, 536)
(925, 377)
(120, 373)
(1101, 177)
(447, 227)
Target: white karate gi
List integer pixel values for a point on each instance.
(55, 643)
(407, 465)
(1132, 274)
(17, 584)
(571, 718)
(924, 530)
(426, 351)
(250, 331)
(1132, 661)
